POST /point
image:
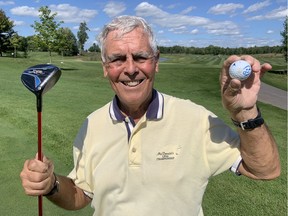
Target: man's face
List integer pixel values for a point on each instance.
(130, 67)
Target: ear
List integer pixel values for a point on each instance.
(157, 57)
(105, 71)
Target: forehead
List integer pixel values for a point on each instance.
(136, 39)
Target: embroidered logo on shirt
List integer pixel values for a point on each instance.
(169, 152)
(165, 156)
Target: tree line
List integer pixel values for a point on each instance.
(215, 50)
(51, 37)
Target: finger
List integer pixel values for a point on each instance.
(36, 183)
(256, 66)
(247, 58)
(233, 88)
(49, 163)
(37, 156)
(34, 166)
(265, 67)
(29, 183)
(36, 188)
(230, 60)
(224, 75)
(46, 160)
(23, 174)
(37, 166)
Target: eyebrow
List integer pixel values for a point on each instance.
(115, 56)
(142, 54)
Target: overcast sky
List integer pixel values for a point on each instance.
(198, 23)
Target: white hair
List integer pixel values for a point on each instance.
(125, 24)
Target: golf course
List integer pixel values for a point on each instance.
(82, 89)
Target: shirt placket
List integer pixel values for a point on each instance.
(134, 143)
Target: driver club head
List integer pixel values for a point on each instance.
(39, 79)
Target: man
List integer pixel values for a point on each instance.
(147, 153)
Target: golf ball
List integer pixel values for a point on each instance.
(240, 70)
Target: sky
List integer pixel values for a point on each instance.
(198, 23)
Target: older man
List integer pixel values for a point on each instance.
(148, 153)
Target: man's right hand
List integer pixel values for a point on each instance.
(37, 176)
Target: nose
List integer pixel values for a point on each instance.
(131, 66)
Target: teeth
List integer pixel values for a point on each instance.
(132, 83)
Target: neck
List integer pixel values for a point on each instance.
(135, 114)
(135, 111)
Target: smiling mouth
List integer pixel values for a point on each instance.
(132, 83)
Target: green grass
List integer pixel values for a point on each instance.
(277, 61)
(82, 89)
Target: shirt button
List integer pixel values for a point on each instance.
(134, 150)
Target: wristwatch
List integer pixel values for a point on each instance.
(251, 123)
(55, 188)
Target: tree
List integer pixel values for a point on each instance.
(284, 35)
(82, 36)
(6, 31)
(15, 42)
(67, 42)
(24, 45)
(94, 48)
(31, 44)
(47, 30)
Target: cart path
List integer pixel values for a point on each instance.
(274, 96)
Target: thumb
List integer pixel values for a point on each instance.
(45, 159)
(37, 157)
(233, 88)
(49, 163)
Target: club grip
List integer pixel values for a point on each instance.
(39, 103)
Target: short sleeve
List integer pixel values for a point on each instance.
(79, 174)
(222, 146)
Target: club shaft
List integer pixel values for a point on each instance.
(40, 205)
(40, 157)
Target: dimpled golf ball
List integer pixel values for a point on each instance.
(240, 70)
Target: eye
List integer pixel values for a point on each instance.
(118, 59)
(140, 58)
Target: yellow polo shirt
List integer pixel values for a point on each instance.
(160, 166)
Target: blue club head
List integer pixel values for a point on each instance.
(39, 79)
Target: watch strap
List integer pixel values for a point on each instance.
(55, 188)
(251, 123)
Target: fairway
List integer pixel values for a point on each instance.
(82, 89)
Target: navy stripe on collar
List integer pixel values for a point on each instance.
(154, 111)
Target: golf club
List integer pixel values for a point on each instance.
(39, 79)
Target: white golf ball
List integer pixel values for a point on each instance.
(240, 70)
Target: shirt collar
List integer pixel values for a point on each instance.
(154, 111)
